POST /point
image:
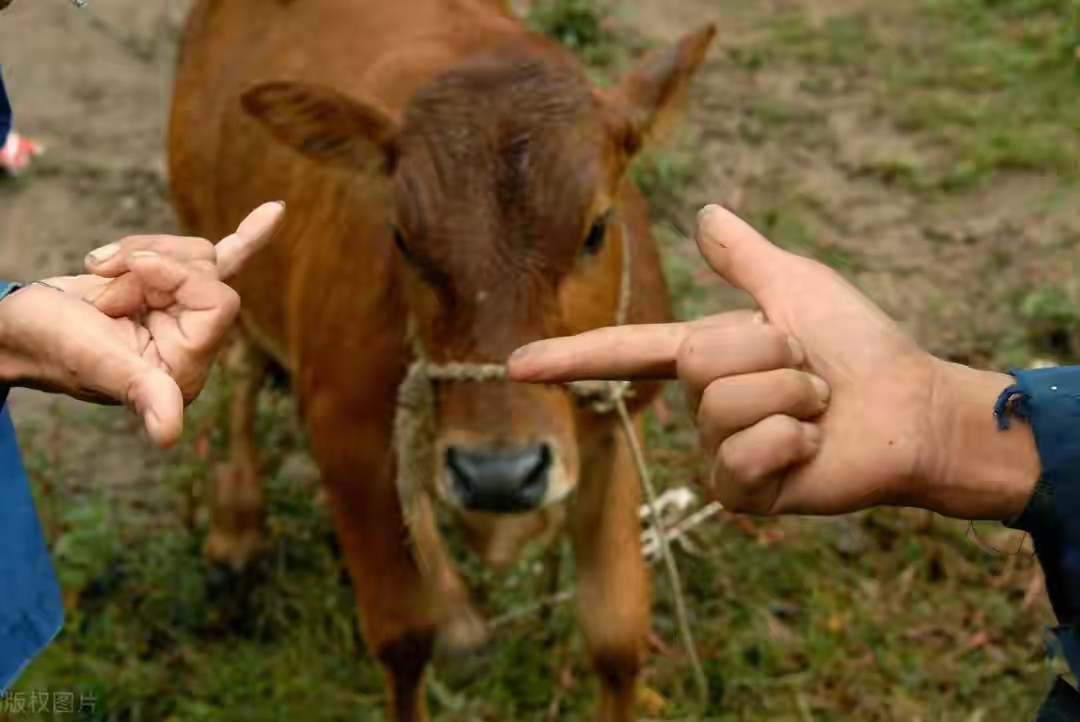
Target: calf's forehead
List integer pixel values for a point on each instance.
(519, 141)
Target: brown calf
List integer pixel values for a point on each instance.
(450, 173)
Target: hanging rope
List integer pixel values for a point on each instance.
(415, 439)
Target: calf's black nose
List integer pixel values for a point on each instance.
(500, 481)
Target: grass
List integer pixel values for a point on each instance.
(990, 85)
(890, 615)
(791, 616)
(1051, 315)
(582, 25)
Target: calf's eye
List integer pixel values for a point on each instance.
(594, 242)
(399, 240)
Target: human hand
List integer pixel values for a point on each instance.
(142, 331)
(818, 405)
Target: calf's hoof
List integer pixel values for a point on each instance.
(233, 551)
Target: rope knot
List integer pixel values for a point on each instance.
(603, 396)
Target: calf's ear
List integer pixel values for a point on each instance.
(654, 92)
(326, 125)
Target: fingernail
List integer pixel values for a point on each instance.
(705, 234)
(822, 388)
(522, 353)
(798, 354)
(812, 434)
(102, 254)
(282, 204)
(704, 213)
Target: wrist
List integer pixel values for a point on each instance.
(980, 471)
(14, 367)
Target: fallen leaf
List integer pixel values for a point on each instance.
(785, 610)
(71, 599)
(773, 535)
(979, 639)
(745, 525)
(1034, 589)
(202, 446)
(926, 631)
(662, 411)
(780, 631)
(651, 701)
(906, 579)
(735, 199)
(659, 644)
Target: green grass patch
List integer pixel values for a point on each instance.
(584, 26)
(991, 85)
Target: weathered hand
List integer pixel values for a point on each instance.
(142, 331)
(818, 405)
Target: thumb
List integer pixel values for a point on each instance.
(254, 232)
(154, 395)
(742, 256)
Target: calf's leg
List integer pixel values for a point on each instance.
(462, 629)
(397, 617)
(236, 496)
(613, 584)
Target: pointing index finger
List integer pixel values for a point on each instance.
(647, 351)
(254, 232)
(622, 352)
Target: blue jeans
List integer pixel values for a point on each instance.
(31, 609)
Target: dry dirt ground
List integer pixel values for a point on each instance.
(817, 170)
(99, 109)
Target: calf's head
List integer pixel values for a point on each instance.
(505, 184)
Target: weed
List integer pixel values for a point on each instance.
(1052, 321)
(581, 25)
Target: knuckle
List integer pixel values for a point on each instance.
(230, 302)
(132, 244)
(205, 266)
(785, 430)
(713, 398)
(743, 466)
(796, 386)
(733, 490)
(687, 353)
(753, 464)
(777, 343)
(184, 248)
(203, 248)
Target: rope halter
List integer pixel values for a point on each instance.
(415, 430)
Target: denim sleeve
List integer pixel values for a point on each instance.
(5, 112)
(31, 609)
(1049, 399)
